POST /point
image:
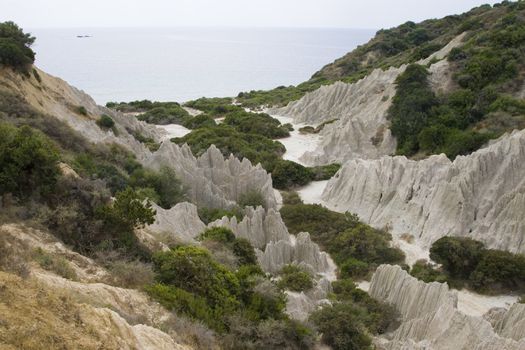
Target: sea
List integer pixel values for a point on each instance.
(181, 64)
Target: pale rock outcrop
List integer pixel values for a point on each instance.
(259, 227)
(429, 316)
(362, 129)
(510, 323)
(181, 222)
(361, 108)
(481, 195)
(212, 180)
(109, 324)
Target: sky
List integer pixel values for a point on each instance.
(244, 13)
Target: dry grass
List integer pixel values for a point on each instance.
(32, 318)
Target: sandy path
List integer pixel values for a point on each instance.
(174, 130)
(297, 144)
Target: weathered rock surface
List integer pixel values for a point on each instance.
(180, 223)
(210, 179)
(481, 195)
(362, 129)
(361, 108)
(430, 318)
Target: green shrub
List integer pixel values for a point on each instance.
(287, 174)
(240, 247)
(28, 162)
(324, 172)
(499, 271)
(199, 121)
(168, 189)
(81, 110)
(193, 269)
(424, 271)
(244, 251)
(185, 303)
(340, 327)
(295, 279)
(410, 110)
(251, 199)
(126, 213)
(486, 270)
(256, 148)
(256, 123)
(219, 234)
(58, 265)
(208, 215)
(459, 256)
(105, 122)
(356, 247)
(165, 113)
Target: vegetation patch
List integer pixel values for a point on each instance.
(466, 262)
(356, 247)
(295, 279)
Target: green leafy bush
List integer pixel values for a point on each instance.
(295, 279)
(105, 121)
(424, 271)
(193, 269)
(356, 247)
(256, 123)
(486, 270)
(340, 327)
(58, 265)
(208, 215)
(459, 256)
(166, 113)
(81, 110)
(251, 199)
(167, 188)
(287, 174)
(28, 162)
(200, 121)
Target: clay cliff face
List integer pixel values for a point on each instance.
(431, 320)
(481, 195)
(362, 129)
(211, 180)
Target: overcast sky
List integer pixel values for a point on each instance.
(260, 13)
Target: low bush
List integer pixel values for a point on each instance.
(28, 162)
(251, 199)
(324, 172)
(208, 215)
(466, 261)
(240, 247)
(169, 113)
(340, 327)
(356, 247)
(105, 122)
(287, 174)
(425, 272)
(256, 123)
(295, 279)
(56, 264)
(81, 110)
(199, 121)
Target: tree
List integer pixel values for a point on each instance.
(459, 256)
(28, 162)
(15, 46)
(340, 327)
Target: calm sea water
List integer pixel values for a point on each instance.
(179, 64)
